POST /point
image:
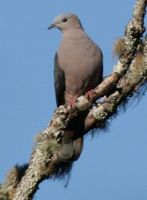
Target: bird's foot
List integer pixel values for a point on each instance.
(72, 101)
(90, 94)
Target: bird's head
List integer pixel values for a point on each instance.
(66, 22)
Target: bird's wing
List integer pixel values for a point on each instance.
(59, 81)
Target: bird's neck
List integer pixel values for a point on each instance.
(73, 33)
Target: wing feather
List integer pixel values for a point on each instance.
(59, 82)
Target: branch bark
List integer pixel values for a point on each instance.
(129, 74)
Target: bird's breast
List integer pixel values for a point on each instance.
(78, 53)
(81, 61)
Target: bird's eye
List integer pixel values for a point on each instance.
(64, 20)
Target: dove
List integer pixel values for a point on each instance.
(78, 68)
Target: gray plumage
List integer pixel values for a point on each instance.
(78, 69)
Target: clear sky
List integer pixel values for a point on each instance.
(113, 165)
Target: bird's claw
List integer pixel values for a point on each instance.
(72, 102)
(90, 94)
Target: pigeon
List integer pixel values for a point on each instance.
(78, 68)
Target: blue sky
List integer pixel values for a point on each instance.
(113, 165)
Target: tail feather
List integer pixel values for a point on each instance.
(67, 145)
(77, 147)
(71, 148)
(72, 143)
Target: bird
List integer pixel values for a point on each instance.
(78, 68)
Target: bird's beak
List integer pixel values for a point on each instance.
(51, 26)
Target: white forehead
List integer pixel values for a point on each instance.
(64, 15)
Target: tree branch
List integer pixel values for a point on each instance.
(129, 74)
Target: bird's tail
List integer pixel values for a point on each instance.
(72, 143)
(67, 144)
(71, 147)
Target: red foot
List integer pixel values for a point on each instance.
(72, 101)
(90, 94)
